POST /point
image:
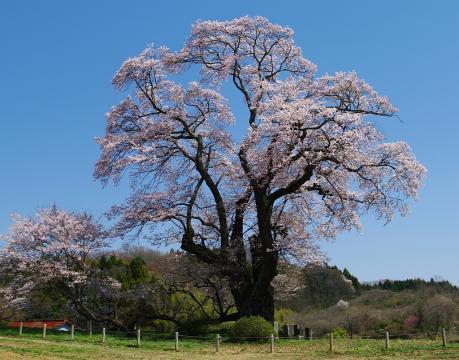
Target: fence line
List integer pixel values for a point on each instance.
(426, 334)
(217, 339)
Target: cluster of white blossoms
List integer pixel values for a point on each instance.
(53, 247)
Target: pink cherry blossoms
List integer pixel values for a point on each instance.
(52, 248)
(308, 164)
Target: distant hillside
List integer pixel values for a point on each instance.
(403, 306)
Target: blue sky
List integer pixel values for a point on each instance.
(57, 59)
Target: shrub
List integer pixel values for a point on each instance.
(251, 327)
(224, 329)
(339, 333)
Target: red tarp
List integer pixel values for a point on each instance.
(33, 324)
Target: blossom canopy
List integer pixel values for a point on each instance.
(309, 164)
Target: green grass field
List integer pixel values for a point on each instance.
(31, 346)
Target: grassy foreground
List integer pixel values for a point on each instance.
(30, 346)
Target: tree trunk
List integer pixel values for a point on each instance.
(252, 290)
(253, 301)
(263, 303)
(251, 284)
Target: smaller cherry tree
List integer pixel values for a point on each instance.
(53, 250)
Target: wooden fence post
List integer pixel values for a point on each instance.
(443, 337)
(138, 337)
(218, 343)
(20, 327)
(386, 339)
(90, 328)
(176, 341)
(103, 335)
(271, 343)
(72, 332)
(44, 331)
(331, 342)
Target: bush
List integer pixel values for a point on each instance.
(223, 329)
(251, 327)
(339, 333)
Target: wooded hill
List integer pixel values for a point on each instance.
(332, 299)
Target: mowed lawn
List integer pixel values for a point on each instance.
(60, 347)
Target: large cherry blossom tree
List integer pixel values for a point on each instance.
(308, 164)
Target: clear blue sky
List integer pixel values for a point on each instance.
(57, 59)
